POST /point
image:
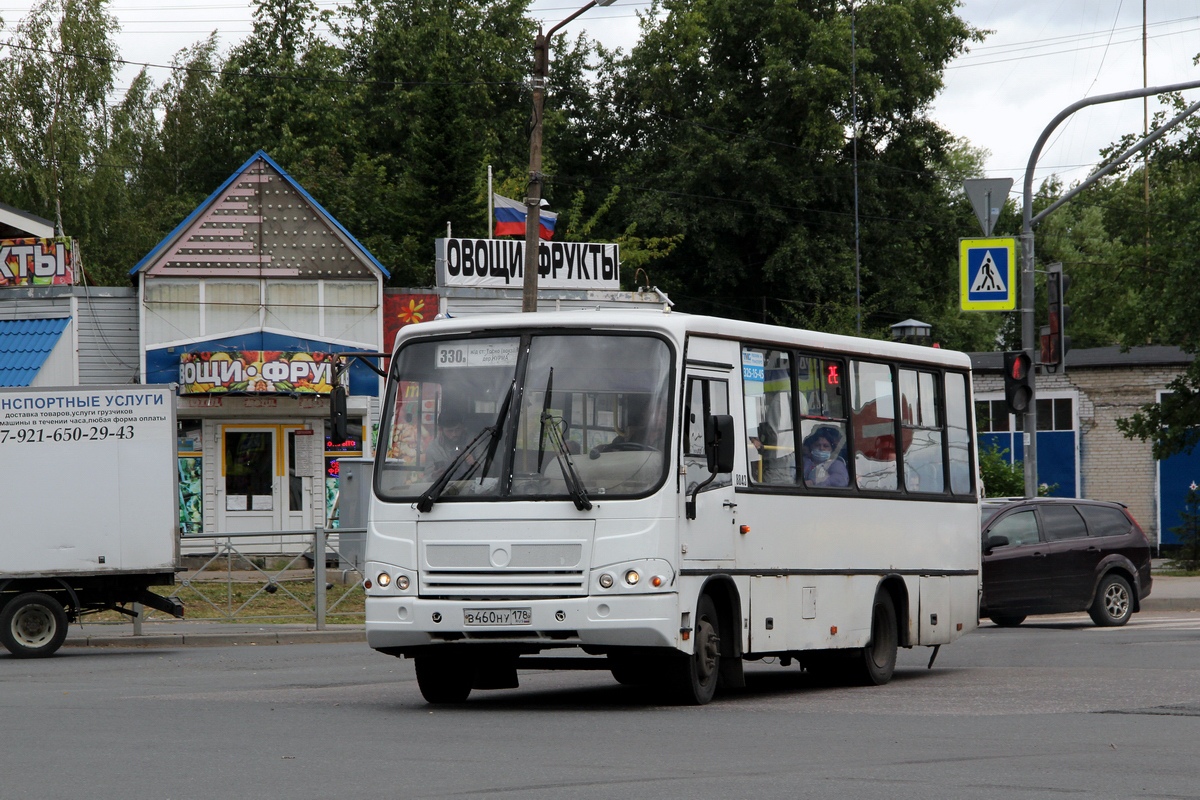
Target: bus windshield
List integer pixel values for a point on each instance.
(537, 416)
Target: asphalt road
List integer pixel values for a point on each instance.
(1056, 708)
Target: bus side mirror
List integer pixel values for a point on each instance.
(338, 423)
(718, 443)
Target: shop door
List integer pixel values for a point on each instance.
(249, 482)
(302, 462)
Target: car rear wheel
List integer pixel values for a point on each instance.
(1007, 620)
(1114, 602)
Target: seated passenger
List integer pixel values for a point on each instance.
(823, 467)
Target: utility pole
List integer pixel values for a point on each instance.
(533, 195)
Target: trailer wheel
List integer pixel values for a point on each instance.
(33, 625)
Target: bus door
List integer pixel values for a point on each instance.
(711, 535)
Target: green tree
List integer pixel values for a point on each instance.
(1001, 478)
(731, 126)
(53, 114)
(442, 94)
(1153, 265)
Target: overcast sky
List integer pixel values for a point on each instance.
(1041, 56)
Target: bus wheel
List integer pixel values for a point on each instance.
(1007, 620)
(445, 680)
(696, 678)
(630, 671)
(878, 659)
(33, 625)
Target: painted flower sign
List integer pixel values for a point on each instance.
(406, 309)
(255, 372)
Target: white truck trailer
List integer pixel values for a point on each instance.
(89, 492)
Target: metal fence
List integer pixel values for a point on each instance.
(234, 579)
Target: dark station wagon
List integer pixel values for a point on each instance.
(1054, 556)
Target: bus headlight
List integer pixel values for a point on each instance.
(402, 582)
(383, 579)
(643, 576)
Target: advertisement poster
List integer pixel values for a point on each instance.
(256, 371)
(191, 495)
(37, 262)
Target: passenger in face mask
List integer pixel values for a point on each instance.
(823, 465)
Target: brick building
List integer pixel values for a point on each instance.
(1080, 451)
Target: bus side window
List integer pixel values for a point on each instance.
(704, 398)
(958, 434)
(924, 463)
(872, 401)
(770, 434)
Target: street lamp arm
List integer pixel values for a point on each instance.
(554, 30)
(1119, 160)
(1071, 109)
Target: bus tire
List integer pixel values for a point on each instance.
(877, 661)
(696, 675)
(444, 679)
(629, 671)
(33, 625)
(1007, 620)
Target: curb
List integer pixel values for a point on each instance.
(216, 639)
(1170, 604)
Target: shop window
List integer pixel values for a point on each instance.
(190, 450)
(350, 447)
(249, 470)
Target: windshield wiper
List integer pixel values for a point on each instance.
(570, 476)
(492, 432)
(497, 427)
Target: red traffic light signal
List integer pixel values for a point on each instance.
(1018, 381)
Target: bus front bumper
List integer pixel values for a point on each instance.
(643, 620)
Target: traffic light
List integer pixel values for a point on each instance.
(1018, 381)
(1055, 342)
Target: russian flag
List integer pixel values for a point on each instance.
(510, 219)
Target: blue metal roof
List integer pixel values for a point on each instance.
(25, 344)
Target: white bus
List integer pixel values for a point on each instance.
(671, 495)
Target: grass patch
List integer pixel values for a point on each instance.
(240, 601)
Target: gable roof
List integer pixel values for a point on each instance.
(25, 345)
(18, 224)
(258, 223)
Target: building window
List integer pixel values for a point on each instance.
(1056, 414)
(991, 416)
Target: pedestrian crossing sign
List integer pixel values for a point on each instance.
(987, 273)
